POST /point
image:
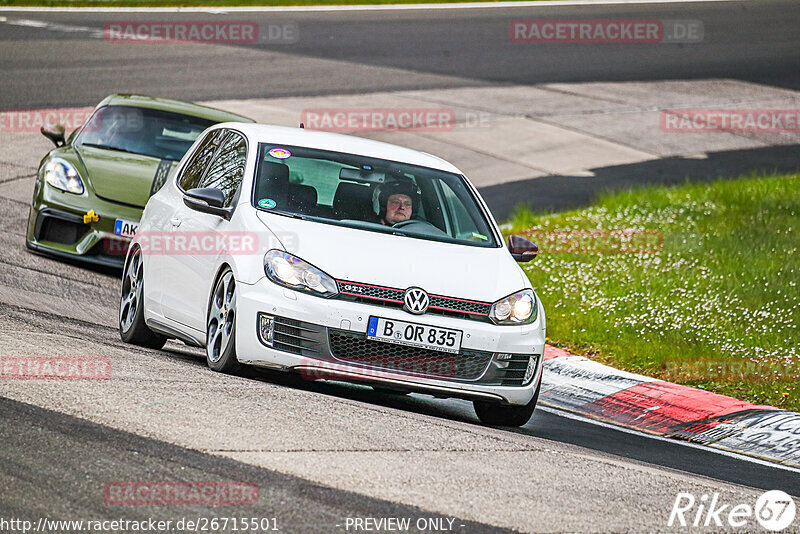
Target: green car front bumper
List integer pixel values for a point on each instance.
(56, 226)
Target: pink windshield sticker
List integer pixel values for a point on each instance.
(280, 153)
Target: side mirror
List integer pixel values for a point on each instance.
(521, 249)
(207, 200)
(55, 133)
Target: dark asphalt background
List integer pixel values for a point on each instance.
(753, 41)
(353, 52)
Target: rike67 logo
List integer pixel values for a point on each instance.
(774, 511)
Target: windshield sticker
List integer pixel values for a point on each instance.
(479, 236)
(280, 153)
(266, 203)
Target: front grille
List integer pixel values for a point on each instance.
(393, 298)
(356, 348)
(296, 337)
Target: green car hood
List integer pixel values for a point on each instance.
(122, 177)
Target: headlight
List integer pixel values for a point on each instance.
(519, 308)
(290, 271)
(62, 175)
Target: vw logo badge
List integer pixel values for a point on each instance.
(416, 300)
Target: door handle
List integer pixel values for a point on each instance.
(175, 221)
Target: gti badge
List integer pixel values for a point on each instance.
(416, 301)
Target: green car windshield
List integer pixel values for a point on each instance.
(147, 132)
(369, 194)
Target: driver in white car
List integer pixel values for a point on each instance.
(397, 202)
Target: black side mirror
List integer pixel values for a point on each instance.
(55, 133)
(521, 249)
(207, 200)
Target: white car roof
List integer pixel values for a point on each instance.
(267, 133)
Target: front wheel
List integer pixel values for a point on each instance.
(221, 327)
(495, 414)
(132, 328)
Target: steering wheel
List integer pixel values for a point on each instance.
(421, 226)
(409, 222)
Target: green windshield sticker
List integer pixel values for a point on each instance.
(479, 236)
(267, 203)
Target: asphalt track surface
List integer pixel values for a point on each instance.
(352, 52)
(48, 446)
(49, 459)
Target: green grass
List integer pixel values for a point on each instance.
(214, 3)
(723, 289)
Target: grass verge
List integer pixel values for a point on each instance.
(717, 307)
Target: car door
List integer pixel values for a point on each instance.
(196, 261)
(167, 263)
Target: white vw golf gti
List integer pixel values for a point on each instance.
(339, 258)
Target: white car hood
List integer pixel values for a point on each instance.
(485, 274)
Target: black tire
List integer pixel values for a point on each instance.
(132, 328)
(221, 325)
(496, 414)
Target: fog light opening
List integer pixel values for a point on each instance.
(266, 329)
(531, 370)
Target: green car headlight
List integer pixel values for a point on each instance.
(62, 175)
(292, 272)
(519, 308)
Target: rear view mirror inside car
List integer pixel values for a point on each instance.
(362, 175)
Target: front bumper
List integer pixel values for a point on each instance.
(56, 227)
(326, 339)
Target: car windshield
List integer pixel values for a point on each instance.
(148, 132)
(369, 194)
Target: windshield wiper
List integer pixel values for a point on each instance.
(108, 147)
(287, 214)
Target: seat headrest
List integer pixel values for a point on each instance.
(273, 182)
(353, 201)
(349, 191)
(302, 196)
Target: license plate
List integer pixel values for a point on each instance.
(125, 228)
(414, 335)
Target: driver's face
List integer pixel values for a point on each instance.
(398, 208)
